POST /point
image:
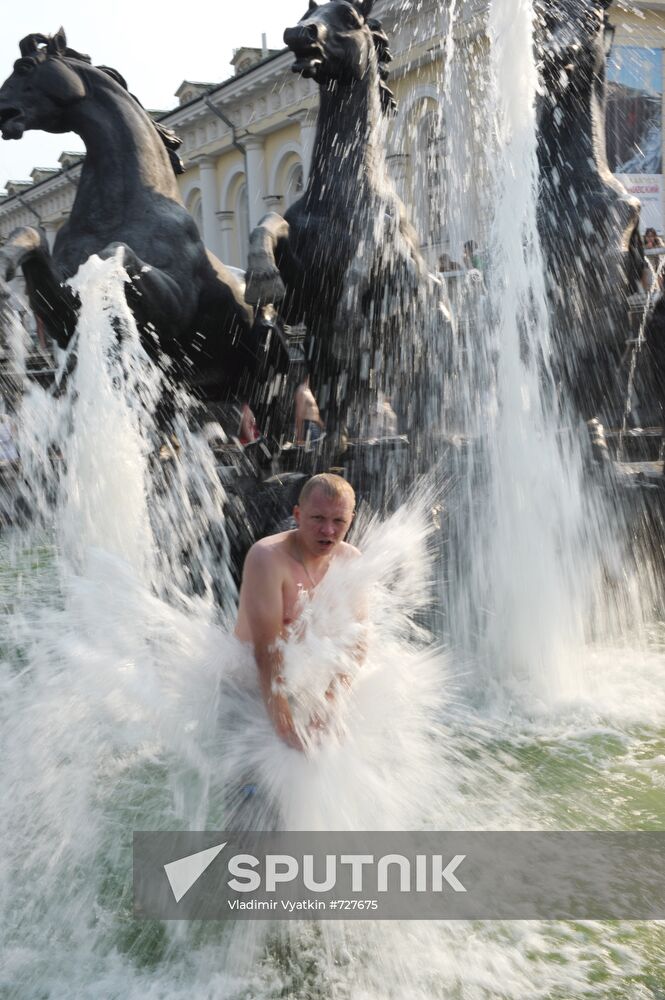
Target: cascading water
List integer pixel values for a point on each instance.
(538, 556)
(126, 704)
(532, 542)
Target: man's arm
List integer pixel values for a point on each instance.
(262, 582)
(300, 416)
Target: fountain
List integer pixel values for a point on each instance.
(510, 685)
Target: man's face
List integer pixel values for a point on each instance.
(323, 522)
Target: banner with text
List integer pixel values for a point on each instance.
(399, 876)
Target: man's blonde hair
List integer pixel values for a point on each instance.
(332, 486)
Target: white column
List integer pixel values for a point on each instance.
(209, 202)
(50, 228)
(307, 122)
(256, 185)
(226, 220)
(398, 166)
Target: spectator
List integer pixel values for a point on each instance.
(471, 258)
(248, 430)
(383, 419)
(652, 240)
(309, 425)
(447, 264)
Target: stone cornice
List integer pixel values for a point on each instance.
(233, 91)
(39, 195)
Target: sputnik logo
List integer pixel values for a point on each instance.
(183, 873)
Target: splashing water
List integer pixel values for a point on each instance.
(537, 509)
(127, 705)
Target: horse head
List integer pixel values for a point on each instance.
(573, 40)
(42, 88)
(339, 42)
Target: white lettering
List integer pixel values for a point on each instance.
(308, 873)
(447, 873)
(421, 873)
(404, 872)
(280, 868)
(238, 866)
(357, 861)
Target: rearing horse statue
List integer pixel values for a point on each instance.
(343, 259)
(589, 224)
(127, 199)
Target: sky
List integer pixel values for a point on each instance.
(155, 45)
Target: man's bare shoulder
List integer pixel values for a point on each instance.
(347, 551)
(271, 550)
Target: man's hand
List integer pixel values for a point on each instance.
(338, 681)
(321, 720)
(279, 712)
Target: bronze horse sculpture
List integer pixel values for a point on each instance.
(343, 260)
(589, 225)
(127, 200)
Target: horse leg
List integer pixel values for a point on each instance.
(154, 297)
(264, 282)
(50, 299)
(22, 243)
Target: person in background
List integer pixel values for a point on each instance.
(447, 264)
(383, 419)
(652, 240)
(471, 258)
(248, 429)
(309, 425)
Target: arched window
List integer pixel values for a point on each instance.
(431, 153)
(195, 209)
(295, 184)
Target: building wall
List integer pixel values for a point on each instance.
(645, 30)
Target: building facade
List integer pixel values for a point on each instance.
(247, 142)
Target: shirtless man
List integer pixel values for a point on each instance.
(309, 425)
(277, 569)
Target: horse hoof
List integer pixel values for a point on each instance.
(265, 288)
(20, 244)
(7, 267)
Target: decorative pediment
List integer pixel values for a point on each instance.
(190, 89)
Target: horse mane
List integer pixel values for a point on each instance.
(384, 55)
(171, 141)
(38, 47)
